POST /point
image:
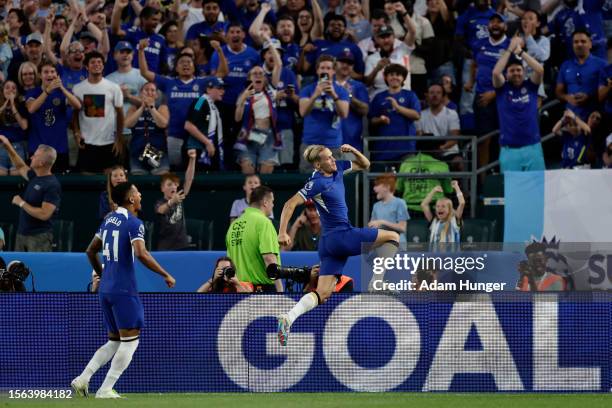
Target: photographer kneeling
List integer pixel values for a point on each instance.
(224, 279)
(13, 276)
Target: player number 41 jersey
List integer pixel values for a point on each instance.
(117, 233)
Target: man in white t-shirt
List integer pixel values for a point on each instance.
(438, 120)
(389, 52)
(100, 120)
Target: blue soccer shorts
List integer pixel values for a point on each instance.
(335, 247)
(121, 312)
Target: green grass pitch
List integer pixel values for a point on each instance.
(332, 400)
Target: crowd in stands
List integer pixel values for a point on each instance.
(248, 84)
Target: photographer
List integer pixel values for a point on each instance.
(224, 279)
(13, 276)
(533, 274)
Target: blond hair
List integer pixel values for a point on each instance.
(451, 213)
(312, 153)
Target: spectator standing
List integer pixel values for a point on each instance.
(148, 123)
(100, 119)
(149, 18)
(578, 77)
(40, 201)
(169, 210)
(48, 108)
(442, 22)
(389, 52)
(322, 105)
(393, 113)
(13, 124)
(439, 120)
(210, 24)
(517, 97)
(205, 126)
(486, 53)
(389, 213)
(446, 221)
(352, 126)
(252, 242)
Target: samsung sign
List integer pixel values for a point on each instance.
(373, 343)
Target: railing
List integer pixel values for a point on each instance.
(471, 175)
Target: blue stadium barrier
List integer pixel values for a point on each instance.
(518, 342)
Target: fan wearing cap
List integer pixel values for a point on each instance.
(205, 127)
(352, 126)
(149, 20)
(486, 53)
(517, 99)
(334, 43)
(389, 52)
(127, 77)
(33, 52)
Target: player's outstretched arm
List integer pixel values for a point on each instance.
(283, 237)
(92, 254)
(361, 162)
(147, 260)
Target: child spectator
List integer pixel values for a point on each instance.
(389, 213)
(575, 138)
(114, 176)
(251, 182)
(306, 230)
(446, 222)
(171, 227)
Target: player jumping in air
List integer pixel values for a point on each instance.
(339, 239)
(120, 236)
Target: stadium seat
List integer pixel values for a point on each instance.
(63, 233)
(149, 235)
(201, 233)
(417, 234)
(476, 231)
(9, 235)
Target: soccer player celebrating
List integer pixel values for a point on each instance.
(121, 233)
(339, 239)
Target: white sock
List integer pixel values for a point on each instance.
(101, 357)
(308, 302)
(120, 362)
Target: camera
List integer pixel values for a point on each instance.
(228, 272)
(151, 155)
(299, 275)
(13, 276)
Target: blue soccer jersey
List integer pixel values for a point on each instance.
(328, 195)
(117, 232)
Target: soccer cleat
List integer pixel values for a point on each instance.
(107, 394)
(80, 387)
(283, 329)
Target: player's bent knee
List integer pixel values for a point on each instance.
(387, 236)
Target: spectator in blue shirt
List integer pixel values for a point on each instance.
(580, 15)
(579, 76)
(49, 115)
(486, 54)
(13, 124)
(604, 91)
(471, 27)
(517, 100)
(240, 59)
(334, 43)
(211, 23)
(389, 212)
(575, 135)
(149, 20)
(352, 126)
(323, 105)
(393, 113)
